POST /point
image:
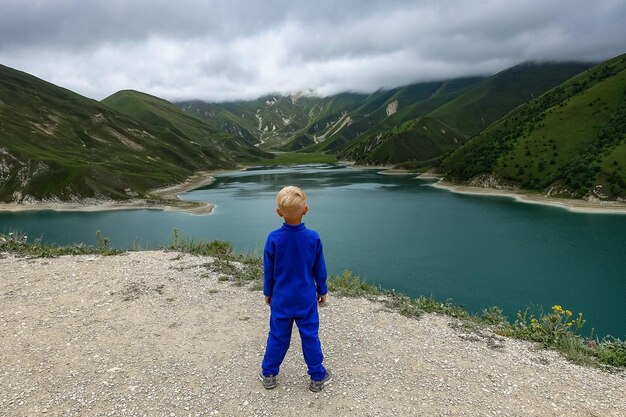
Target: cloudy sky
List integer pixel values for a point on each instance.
(234, 49)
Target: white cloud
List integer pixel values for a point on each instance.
(225, 50)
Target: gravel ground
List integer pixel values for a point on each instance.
(155, 333)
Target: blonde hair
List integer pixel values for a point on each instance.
(290, 200)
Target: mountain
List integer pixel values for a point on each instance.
(56, 144)
(271, 121)
(382, 110)
(417, 123)
(494, 97)
(422, 140)
(457, 110)
(304, 122)
(570, 141)
(188, 134)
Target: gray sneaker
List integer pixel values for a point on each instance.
(269, 382)
(316, 386)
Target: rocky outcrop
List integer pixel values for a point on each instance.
(392, 108)
(595, 195)
(491, 181)
(557, 190)
(334, 128)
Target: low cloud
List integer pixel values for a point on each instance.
(228, 50)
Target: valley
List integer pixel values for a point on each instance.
(555, 129)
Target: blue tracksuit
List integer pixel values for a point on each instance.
(294, 275)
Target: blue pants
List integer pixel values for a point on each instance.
(280, 336)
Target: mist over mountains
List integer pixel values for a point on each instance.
(417, 123)
(556, 128)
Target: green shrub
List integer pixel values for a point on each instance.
(610, 351)
(493, 315)
(549, 329)
(18, 243)
(352, 286)
(215, 248)
(557, 330)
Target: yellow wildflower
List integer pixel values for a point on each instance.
(568, 313)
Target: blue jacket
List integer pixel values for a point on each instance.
(294, 270)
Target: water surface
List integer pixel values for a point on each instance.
(400, 233)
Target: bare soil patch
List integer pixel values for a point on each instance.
(156, 333)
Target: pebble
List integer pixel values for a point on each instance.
(157, 333)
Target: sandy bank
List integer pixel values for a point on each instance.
(158, 333)
(383, 169)
(394, 171)
(164, 199)
(577, 206)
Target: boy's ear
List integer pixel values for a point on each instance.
(279, 212)
(306, 210)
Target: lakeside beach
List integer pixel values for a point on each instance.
(165, 199)
(573, 205)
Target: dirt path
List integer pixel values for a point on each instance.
(156, 334)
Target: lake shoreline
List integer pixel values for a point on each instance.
(167, 333)
(572, 205)
(165, 199)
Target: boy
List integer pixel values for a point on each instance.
(294, 282)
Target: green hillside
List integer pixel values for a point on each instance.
(186, 132)
(489, 100)
(324, 124)
(56, 144)
(447, 91)
(568, 142)
(460, 108)
(421, 140)
(270, 121)
(379, 111)
(222, 119)
(381, 127)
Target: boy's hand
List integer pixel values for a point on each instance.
(321, 299)
(268, 300)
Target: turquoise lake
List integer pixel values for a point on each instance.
(398, 232)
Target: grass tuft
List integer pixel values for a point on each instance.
(557, 330)
(239, 269)
(215, 248)
(19, 243)
(349, 285)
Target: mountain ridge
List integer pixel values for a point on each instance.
(569, 142)
(361, 127)
(56, 144)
